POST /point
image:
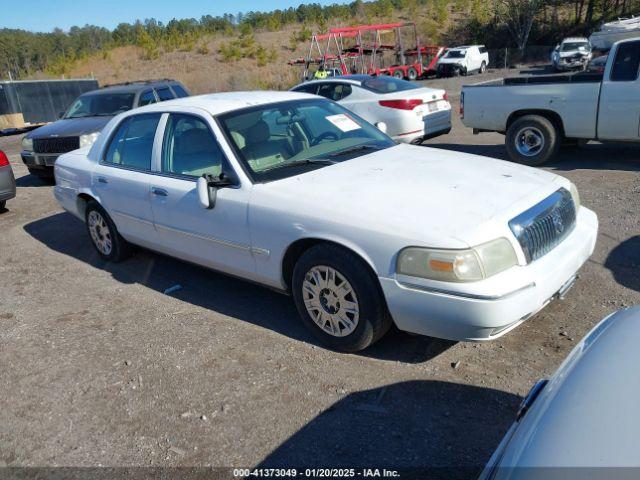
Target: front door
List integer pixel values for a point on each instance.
(219, 237)
(619, 117)
(121, 178)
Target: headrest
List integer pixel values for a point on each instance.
(195, 140)
(258, 133)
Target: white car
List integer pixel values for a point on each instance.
(583, 422)
(410, 113)
(295, 192)
(571, 54)
(463, 61)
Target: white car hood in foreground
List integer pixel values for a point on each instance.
(424, 194)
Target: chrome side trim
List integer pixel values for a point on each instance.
(472, 296)
(132, 217)
(208, 238)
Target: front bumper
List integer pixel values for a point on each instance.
(7, 184)
(39, 160)
(470, 316)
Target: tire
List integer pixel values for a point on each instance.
(398, 74)
(101, 228)
(3, 204)
(412, 74)
(464, 72)
(483, 67)
(532, 140)
(366, 318)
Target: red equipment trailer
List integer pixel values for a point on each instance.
(364, 49)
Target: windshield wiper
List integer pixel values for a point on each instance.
(306, 161)
(356, 149)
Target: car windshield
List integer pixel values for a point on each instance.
(387, 85)
(456, 54)
(101, 105)
(279, 140)
(569, 46)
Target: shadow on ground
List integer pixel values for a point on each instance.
(594, 156)
(214, 291)
(624, 263)
(407, 426)
(31, 180)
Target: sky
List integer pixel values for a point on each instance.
(45, 15)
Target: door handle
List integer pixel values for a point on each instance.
(161, 192)
(102, 180)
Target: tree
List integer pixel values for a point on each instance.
(518, 16)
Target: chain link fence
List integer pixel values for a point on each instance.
(513, 57)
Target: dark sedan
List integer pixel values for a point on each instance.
(7, 181)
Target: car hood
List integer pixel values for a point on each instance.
(423, 194)
(71, 127)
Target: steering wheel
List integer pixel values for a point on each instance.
(324, 136)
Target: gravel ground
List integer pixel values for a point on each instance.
(100, 367)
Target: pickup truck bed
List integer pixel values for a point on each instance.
(538, 113)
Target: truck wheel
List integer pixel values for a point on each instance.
(532, 140)
(3, 204)
(483, 67)
(339, 299)
(412, 74)
(398, 74)
(463, 71)
(104, 234)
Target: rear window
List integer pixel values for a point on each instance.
(387, 85)
(627, 63)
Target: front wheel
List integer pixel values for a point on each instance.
(532, 140)
(398, 74)
(339, 299)
(412, 74)
(483, 67)
(3, 204)
(104, 234)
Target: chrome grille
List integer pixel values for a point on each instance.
(541, 228)
(56, 144)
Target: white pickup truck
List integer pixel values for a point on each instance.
(539, 113)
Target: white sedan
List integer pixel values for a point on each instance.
(410, 113)
(296, 193)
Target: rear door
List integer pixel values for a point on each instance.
(121, 178)
(619, 115)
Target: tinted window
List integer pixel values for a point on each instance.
(101, 104)
(483, 50)
(456, 54)
(308, 88)
(190, 148)
(164, 94)
(179, 91)
(146, 98)
(627, 63)
(132, 144)
(387, 85)
(334, 91)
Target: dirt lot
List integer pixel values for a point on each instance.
(100, 367)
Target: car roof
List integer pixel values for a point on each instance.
(133, 87)
(217, 103)
(575, 39)
(587, 414)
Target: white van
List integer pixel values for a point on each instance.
(463, 61)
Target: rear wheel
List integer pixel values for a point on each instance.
(483, 67)
(3, 204)
(412, 74)
(532, 140)
(104, 234)
(339, 299)
(398, 74)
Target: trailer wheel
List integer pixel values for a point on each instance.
(532, 140)
(398, 74)
(412, 74)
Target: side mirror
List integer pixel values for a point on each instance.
(207, 188)
(382, 127)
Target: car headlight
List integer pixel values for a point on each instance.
(27, 144)
(470, 265)
(575, 195)
(89, 139)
